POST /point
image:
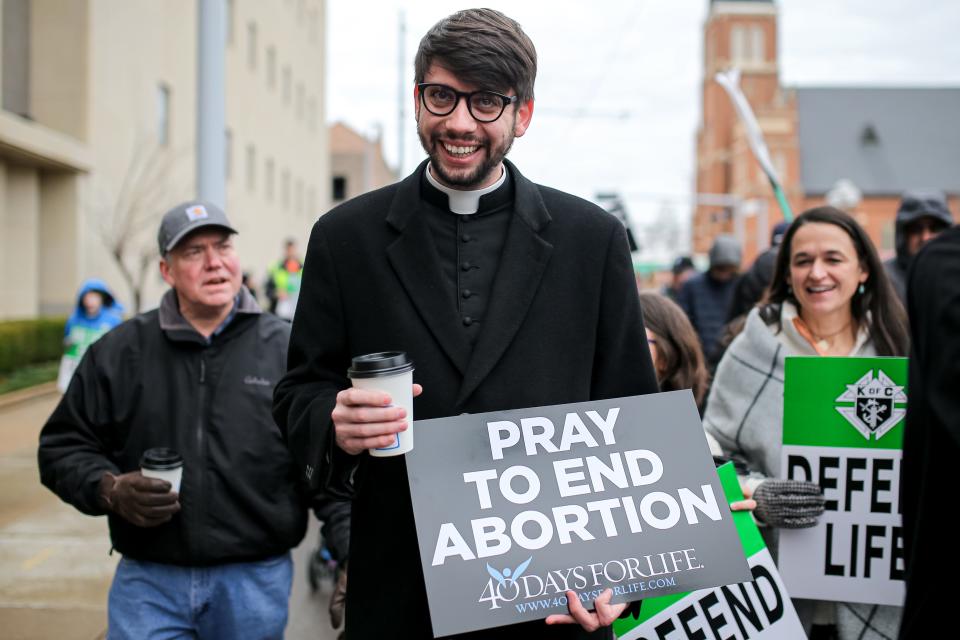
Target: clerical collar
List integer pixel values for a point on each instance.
(465, 202)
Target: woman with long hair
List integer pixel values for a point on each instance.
(830, 296)
(674, 347)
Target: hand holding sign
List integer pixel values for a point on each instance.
(603, 616)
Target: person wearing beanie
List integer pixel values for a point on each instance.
(921, 217)
(706, 297)
(681, 271)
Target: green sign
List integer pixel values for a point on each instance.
(760, 608)
(843, 423)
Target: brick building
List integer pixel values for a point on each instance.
(883, 140)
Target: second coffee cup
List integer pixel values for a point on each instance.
(392, 373)
(164, 464)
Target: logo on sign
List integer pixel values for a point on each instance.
(506, 586)
(874, 410)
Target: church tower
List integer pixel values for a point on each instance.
(742, 34)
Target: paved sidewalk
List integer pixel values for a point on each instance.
(55, 566)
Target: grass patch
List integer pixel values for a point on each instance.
(29, 376)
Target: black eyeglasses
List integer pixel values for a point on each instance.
(484, 106)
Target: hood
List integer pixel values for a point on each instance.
(914, 205)
(110, 304)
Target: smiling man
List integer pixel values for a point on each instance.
(210, 560)
(505, 294)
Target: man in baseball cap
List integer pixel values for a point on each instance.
(195, 376)
(186, 218)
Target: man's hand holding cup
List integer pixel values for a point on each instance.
(367, 419)
(376, 413)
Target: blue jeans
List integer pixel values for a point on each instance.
(161, 601)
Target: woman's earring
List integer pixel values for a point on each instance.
(861, 289)
(789, 290)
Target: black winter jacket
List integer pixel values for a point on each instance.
(155, 382)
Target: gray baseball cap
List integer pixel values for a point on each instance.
(188, 217)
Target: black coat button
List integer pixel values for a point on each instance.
(466, 293)
(466, 266)
(466, 237)
(467, 321)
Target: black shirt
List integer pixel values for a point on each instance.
(469, 247)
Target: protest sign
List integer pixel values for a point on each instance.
(514, 508)
(758, 609)
(843, 425)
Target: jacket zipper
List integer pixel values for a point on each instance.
(201, 459)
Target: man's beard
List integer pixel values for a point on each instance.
(476, 177)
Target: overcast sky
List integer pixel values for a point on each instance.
(618, 87)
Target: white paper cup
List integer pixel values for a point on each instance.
(392, 373)
(163, 464)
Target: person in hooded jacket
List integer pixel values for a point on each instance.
(97, 312)
(921, 217)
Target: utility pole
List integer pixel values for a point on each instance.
(211, 102)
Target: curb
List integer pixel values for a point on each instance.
(25, 395)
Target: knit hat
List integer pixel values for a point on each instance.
(681, 264)
(725, 252)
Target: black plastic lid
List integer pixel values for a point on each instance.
(160, 459)
(376, 365)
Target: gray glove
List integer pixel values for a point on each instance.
(788, 504)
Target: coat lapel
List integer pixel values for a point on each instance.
(413, 256)
(522, 262)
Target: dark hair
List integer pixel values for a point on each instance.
(483, 48)
(678, 348)
(878, 306)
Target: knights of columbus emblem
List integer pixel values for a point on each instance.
(875, 401)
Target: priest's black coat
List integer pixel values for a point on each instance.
(563, 325)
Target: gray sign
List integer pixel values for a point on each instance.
(515, 508)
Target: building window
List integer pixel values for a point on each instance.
(252, 46)
(163, 114)
(298, 195)
(757, 44)
(285, 189)
(339, 188)
(251, 167)
(15, 60)
(738, 44)
(268, 179)
(312, 113)
(228, 152)
(299, 110)
(286, 84)
(312, 202)
(314, 28)
(228, 9)
(271, 67)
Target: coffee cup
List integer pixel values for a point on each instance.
(164, 464)
(392, 373)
